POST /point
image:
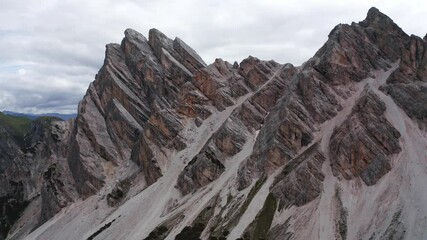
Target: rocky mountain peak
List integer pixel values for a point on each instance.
(380, 21)
(156, 37)
(375, 16)
(134, 36)
(159, 41)
(184, 49)
(254, 150)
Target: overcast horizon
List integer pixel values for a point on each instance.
(51, 50)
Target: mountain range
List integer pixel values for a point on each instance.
(165, 146)
(34, 116)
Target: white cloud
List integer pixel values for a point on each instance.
(51, 49)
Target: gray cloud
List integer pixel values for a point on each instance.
(51, 50)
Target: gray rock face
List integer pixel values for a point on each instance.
(200, 171)
(288, 127)
(351, 53)
(220, 83)
(362, 145)
(412, 98)
(230, 138)
(300, 182)
(49, 138)
(26, 178)
(139, 78)
(283, 135)
(58, 190)
(408, 84)
(208, 165)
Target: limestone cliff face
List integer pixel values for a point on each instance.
(251, 150)
(362, 145)
(12, 195)
(35, 177)
(136, 95)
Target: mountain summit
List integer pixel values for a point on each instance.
(167, 147)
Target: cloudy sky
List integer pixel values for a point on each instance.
(50, 50)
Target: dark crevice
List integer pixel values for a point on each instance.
(101, 230)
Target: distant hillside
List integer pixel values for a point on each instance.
(16, 124)
(34, 116)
